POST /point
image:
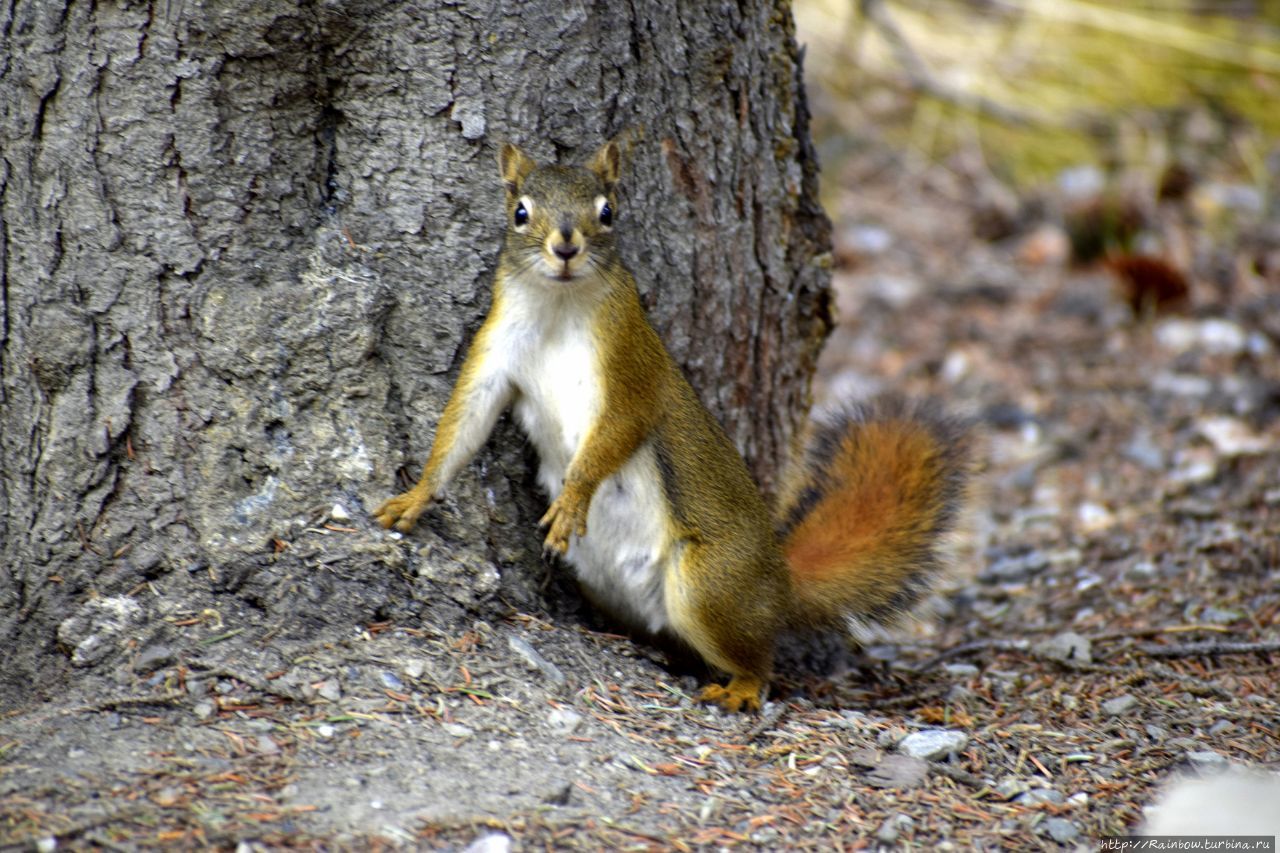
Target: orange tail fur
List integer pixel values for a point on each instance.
(864, 507)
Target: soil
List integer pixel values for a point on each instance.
(1113, 620)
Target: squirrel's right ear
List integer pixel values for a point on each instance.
(607, 163)
(514, 166)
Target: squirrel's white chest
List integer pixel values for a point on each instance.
(624, 557)
(559, 396)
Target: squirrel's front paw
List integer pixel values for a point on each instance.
(565, 518)
(402, 510)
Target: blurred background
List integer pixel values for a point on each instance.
(1031, 88)
(1123, 157)
(1063, 217)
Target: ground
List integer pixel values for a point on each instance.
(1113, 618)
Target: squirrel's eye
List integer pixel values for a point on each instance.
(606, 214)
(522, 215)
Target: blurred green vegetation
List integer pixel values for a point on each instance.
(1035, 86)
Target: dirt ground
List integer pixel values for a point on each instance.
(1113, 619)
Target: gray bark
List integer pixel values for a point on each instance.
(244, 245)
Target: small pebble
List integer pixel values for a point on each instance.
(1220, 616)
(325, 731)
(391, 681)
(1146, 454)
(1040, 796)
(564, 721)
(867, 239)
(329, 689)
(47, 844)
(204, 709)
(339, 513)
(961, 670)
(1119, 705)
(1094, 517)
(1222, 337)
(1232, 437)
(896, 291)
(1216, 336)
(457, 730)
(153, 658)
(1061, 830)
(894, 826)
(1081, 182)
(1012, 786)
(494, 842)
(1014, 568)
(1142, 570)
(536, 661)
(1067, 646)
(1192, 468)
(1181, 385)
(932, 744)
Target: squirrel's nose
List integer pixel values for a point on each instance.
(564, 251)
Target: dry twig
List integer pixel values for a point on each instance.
(1209, 649)
(970, 648)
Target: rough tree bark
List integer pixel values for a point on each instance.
(243, 246)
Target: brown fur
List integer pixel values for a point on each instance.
(865, 506)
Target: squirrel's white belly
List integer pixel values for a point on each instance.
(626, 553)
(624, 556)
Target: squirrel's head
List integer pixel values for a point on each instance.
(560, 218)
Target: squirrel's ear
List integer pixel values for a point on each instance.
(607, 163)
(514, 166)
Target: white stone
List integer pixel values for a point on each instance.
(1231, 437)
(931, 744)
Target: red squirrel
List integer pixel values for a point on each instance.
(651, 505)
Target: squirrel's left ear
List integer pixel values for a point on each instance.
(607, 163)
(514, 166)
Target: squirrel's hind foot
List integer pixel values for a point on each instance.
(742, 693)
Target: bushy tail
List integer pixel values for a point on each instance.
(864, 507)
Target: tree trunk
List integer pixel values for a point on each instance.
(243, 248)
